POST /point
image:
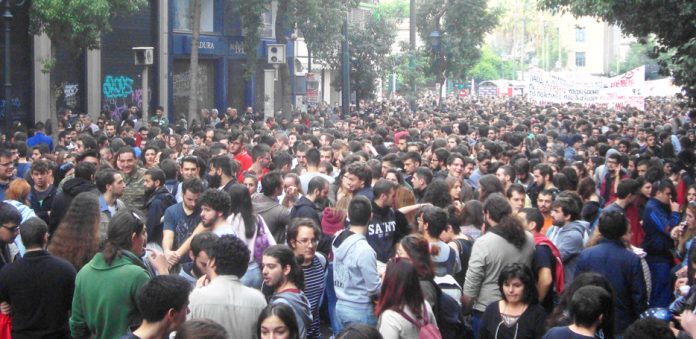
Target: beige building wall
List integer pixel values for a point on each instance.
(598, 41)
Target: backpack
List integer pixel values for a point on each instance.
(465, 247)
(261, 242)
(426, 330)
(448, 314)
(560, 275)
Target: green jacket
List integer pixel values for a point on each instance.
(103, 304)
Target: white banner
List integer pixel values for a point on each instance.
(614, 93)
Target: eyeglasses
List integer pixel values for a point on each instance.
(306, 242)
(7, 164)
(13, 229)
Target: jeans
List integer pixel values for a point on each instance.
(330, 299)
(352, 314)
(476, 322)
(252, 278)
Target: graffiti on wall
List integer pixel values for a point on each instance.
(14, 105)
(118, 93)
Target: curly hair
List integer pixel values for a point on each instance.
(77, 237)
(231, 256)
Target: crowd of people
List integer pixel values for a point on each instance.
(476, 218)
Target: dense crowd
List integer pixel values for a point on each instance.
(476, 218)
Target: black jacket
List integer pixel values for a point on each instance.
(305, 208)
(158, 202)
(42, 207)
(62, 200)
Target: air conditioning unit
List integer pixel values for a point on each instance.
(144, 55)
(276, 53)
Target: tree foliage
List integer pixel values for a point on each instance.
(368, 47)
(645, 52)
(78, 24)
(462, 26)
(673, 23)
(491, 67)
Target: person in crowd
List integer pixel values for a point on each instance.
(282, 274)
(38, 287)
(100, 307)
(180, 220)
(158, 200)
(660, 216)
(621, 266)
(225, 299)
(201, 250)
(387, 225)
(201, 329)
(505, 242)
(77, 237)
(266, 204)
(163, 303)
(237, 148)
(402, 309)
(303, 239)
(432, 224)
(355, 276)
(111, 186)
(222, 173)
(7, 169)
(547, 265)
(42, 191)
(190, 168)
(589, 307)
(518, 314)
(306, 205)
(252, 229)
(126, 162)
(568, 233)
(82, 182)
(277, 321)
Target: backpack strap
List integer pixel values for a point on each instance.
(411, 320)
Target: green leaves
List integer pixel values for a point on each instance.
(673, 22)
(78, 23)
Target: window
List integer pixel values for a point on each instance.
(579, 34)
(183, 10)
(580, 59)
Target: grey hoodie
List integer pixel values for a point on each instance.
(300, 306)
(356, 279)
(570, 240)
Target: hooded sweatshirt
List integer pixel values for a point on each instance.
(62, 200)
(356, 280)
(570, 241)
(300, 306)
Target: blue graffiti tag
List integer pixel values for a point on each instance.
(15, 103)
(117, 86)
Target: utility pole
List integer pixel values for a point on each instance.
(345, 71)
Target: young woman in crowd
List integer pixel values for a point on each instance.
(518, 314)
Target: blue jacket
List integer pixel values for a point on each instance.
(658, 220)
(623, 269)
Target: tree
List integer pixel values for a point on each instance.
(491, 67)
(368, 47)
(462, 25)
(193, 68)
(77, 25)
(645, 52)
(319, 21)
(672, 22)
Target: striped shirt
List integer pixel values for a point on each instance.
(314, 288)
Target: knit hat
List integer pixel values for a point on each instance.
(332, 220)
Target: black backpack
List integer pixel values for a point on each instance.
(449, 316)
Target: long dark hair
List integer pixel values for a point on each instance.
(509, 227)
(400, 288)
(418, 250)
(285, 257)
(241, 203)
(121, 228)
(524, 273)
(285, 314)
(76, 239)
